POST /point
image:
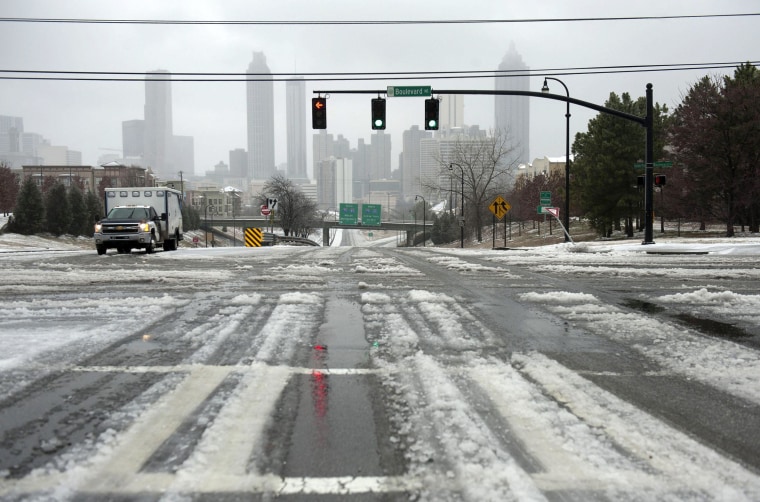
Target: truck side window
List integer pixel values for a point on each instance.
(135, 193)
(159, 193)
(124, 194)
(148, 193)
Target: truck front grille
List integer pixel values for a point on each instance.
(123, 228)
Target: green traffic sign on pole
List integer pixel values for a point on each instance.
(642, 165)
(349, 214)
(410, 91)
(371, 214)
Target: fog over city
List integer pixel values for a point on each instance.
(560, 38)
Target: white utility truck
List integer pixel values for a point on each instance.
(140, 218)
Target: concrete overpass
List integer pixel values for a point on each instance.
(408, 227)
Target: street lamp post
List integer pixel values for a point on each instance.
(205, 216)
(424, 217)
(545, 88)
(461, 215)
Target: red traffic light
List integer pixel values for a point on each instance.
(659, 180)
(319, 113)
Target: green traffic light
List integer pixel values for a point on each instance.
(432, 124)
(378, 123)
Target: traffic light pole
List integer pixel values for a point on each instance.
(646, 121)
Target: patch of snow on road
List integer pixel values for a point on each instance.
(720, 363)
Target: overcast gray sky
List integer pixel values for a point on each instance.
(87, 116)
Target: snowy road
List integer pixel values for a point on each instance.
(381, 374)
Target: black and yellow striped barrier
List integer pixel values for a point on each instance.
(253, 237)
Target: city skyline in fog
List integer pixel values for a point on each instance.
(87, 115)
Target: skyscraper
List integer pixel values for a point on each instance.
(452, 111)
(260, 116)
(295, 101)
(512, 113)
(158, 139)
(410, 161)
(132, 138)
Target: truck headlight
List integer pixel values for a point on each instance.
(144, 227)
(98, 227)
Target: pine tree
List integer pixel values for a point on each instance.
(57, 213)
(80, 224)
(94, 211)
(603, 172)
(9, 187)
(29, 213)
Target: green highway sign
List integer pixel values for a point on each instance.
(642, 165)
(371, 214)
(349, 214)
(545, 198)
(410, 91)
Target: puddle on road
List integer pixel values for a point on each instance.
(328, 422)
(341, 341)
(714, 328)
(707, 326)
(646, 307)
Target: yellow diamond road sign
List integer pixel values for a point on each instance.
(499, 207)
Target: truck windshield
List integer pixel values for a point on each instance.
(129, 213)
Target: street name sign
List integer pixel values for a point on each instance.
(642, 165)
(410, 91)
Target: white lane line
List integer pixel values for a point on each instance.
(187, 368)
(237, 431)
(676, 459)
(134, 447)
(260, 484)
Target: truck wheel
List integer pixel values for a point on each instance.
(151, 245)
(172, 244)
(101, 249)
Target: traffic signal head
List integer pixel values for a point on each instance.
(659, 180)
(431, 114)
(640, 181)
(319, 113)
(378, 113)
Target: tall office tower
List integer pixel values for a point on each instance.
(158, 147)
(512, 113)
(452, 111)
(260, 109)
(380, 156)
(410, 162)
(11, 130)
(132, 138)
(238, 163)
(295, 110)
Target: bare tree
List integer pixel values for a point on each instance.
(484, 167)
(295, 211)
